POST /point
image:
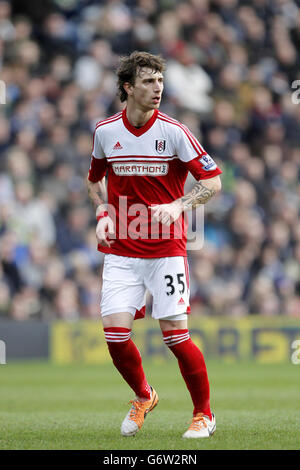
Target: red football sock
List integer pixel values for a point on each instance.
(192, 366)
(127, 359)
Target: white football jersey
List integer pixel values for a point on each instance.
(146, 166)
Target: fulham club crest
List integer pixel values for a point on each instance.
(160, 145)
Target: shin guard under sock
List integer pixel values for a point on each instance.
(127, 359)
(192, 366)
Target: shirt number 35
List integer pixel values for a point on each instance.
(171, 288)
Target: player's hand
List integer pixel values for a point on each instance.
(167, 213)
(105, 231)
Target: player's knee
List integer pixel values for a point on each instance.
(167, 325)
(121, 320)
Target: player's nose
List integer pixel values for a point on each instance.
(158, 86)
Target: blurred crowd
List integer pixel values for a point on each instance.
(232, 72)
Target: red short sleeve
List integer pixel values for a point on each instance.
(97, 169)
(202, 168)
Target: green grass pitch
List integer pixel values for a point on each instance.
(46, 406)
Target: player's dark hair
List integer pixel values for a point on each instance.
(130, 65)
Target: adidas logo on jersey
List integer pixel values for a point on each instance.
(118, 146)
(181, 301)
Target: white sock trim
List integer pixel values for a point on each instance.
(172, 340)
(113, 337)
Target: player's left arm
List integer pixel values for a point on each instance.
(202, 167)
(201, 193)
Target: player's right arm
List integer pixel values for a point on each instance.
(96, 189)
(97, 194)
(105, 226)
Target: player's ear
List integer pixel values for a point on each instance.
(128, 88)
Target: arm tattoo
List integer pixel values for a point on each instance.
(200, 194)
